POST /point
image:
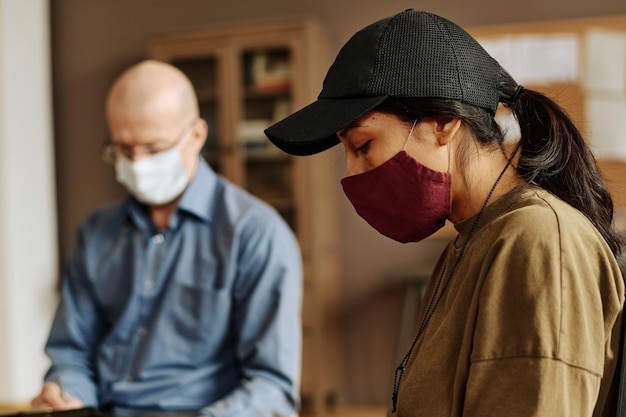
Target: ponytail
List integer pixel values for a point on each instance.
(555, 156)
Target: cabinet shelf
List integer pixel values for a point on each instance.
(268, 91)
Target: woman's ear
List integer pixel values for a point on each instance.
(446, 128)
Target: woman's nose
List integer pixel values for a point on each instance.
(353, 167)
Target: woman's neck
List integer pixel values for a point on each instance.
(470, 193)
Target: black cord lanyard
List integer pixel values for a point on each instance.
(621, 399)
(436, 297)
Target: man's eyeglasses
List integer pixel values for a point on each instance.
(110, 151)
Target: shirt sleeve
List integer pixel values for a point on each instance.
(267, 311)
(75, 328)
(543, 328)
(530, 387)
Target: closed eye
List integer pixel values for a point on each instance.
(363, 148)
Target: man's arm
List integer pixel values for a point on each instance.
(70, 346)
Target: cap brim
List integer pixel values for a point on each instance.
(313, 128)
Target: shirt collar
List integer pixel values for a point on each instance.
(493, 210)
(198, 196)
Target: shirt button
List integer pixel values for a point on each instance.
(143, 330)
(149, 284)
(158, 238)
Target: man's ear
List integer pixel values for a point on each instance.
(200, 132)
(446, 128)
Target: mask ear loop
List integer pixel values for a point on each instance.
(448, 145)
(409, 137)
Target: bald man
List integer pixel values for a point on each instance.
(186, 296)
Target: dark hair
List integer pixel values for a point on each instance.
(553, 154)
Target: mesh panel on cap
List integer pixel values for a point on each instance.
(478, 71)
(423, 55)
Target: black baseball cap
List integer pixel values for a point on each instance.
(412, 54)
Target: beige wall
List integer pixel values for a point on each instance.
(92, 40)
(28, 223)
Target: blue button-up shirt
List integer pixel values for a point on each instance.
(203, 315)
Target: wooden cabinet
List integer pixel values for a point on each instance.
(246, 78)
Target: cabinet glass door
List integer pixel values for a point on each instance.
(267, 86)
(203, 74)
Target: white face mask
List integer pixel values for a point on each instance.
(156, 179)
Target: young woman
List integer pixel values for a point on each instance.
(523, 311)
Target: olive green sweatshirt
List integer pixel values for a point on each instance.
(529, 323)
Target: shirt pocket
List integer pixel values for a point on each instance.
(201, 319)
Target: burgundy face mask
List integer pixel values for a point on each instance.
(402, 199)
